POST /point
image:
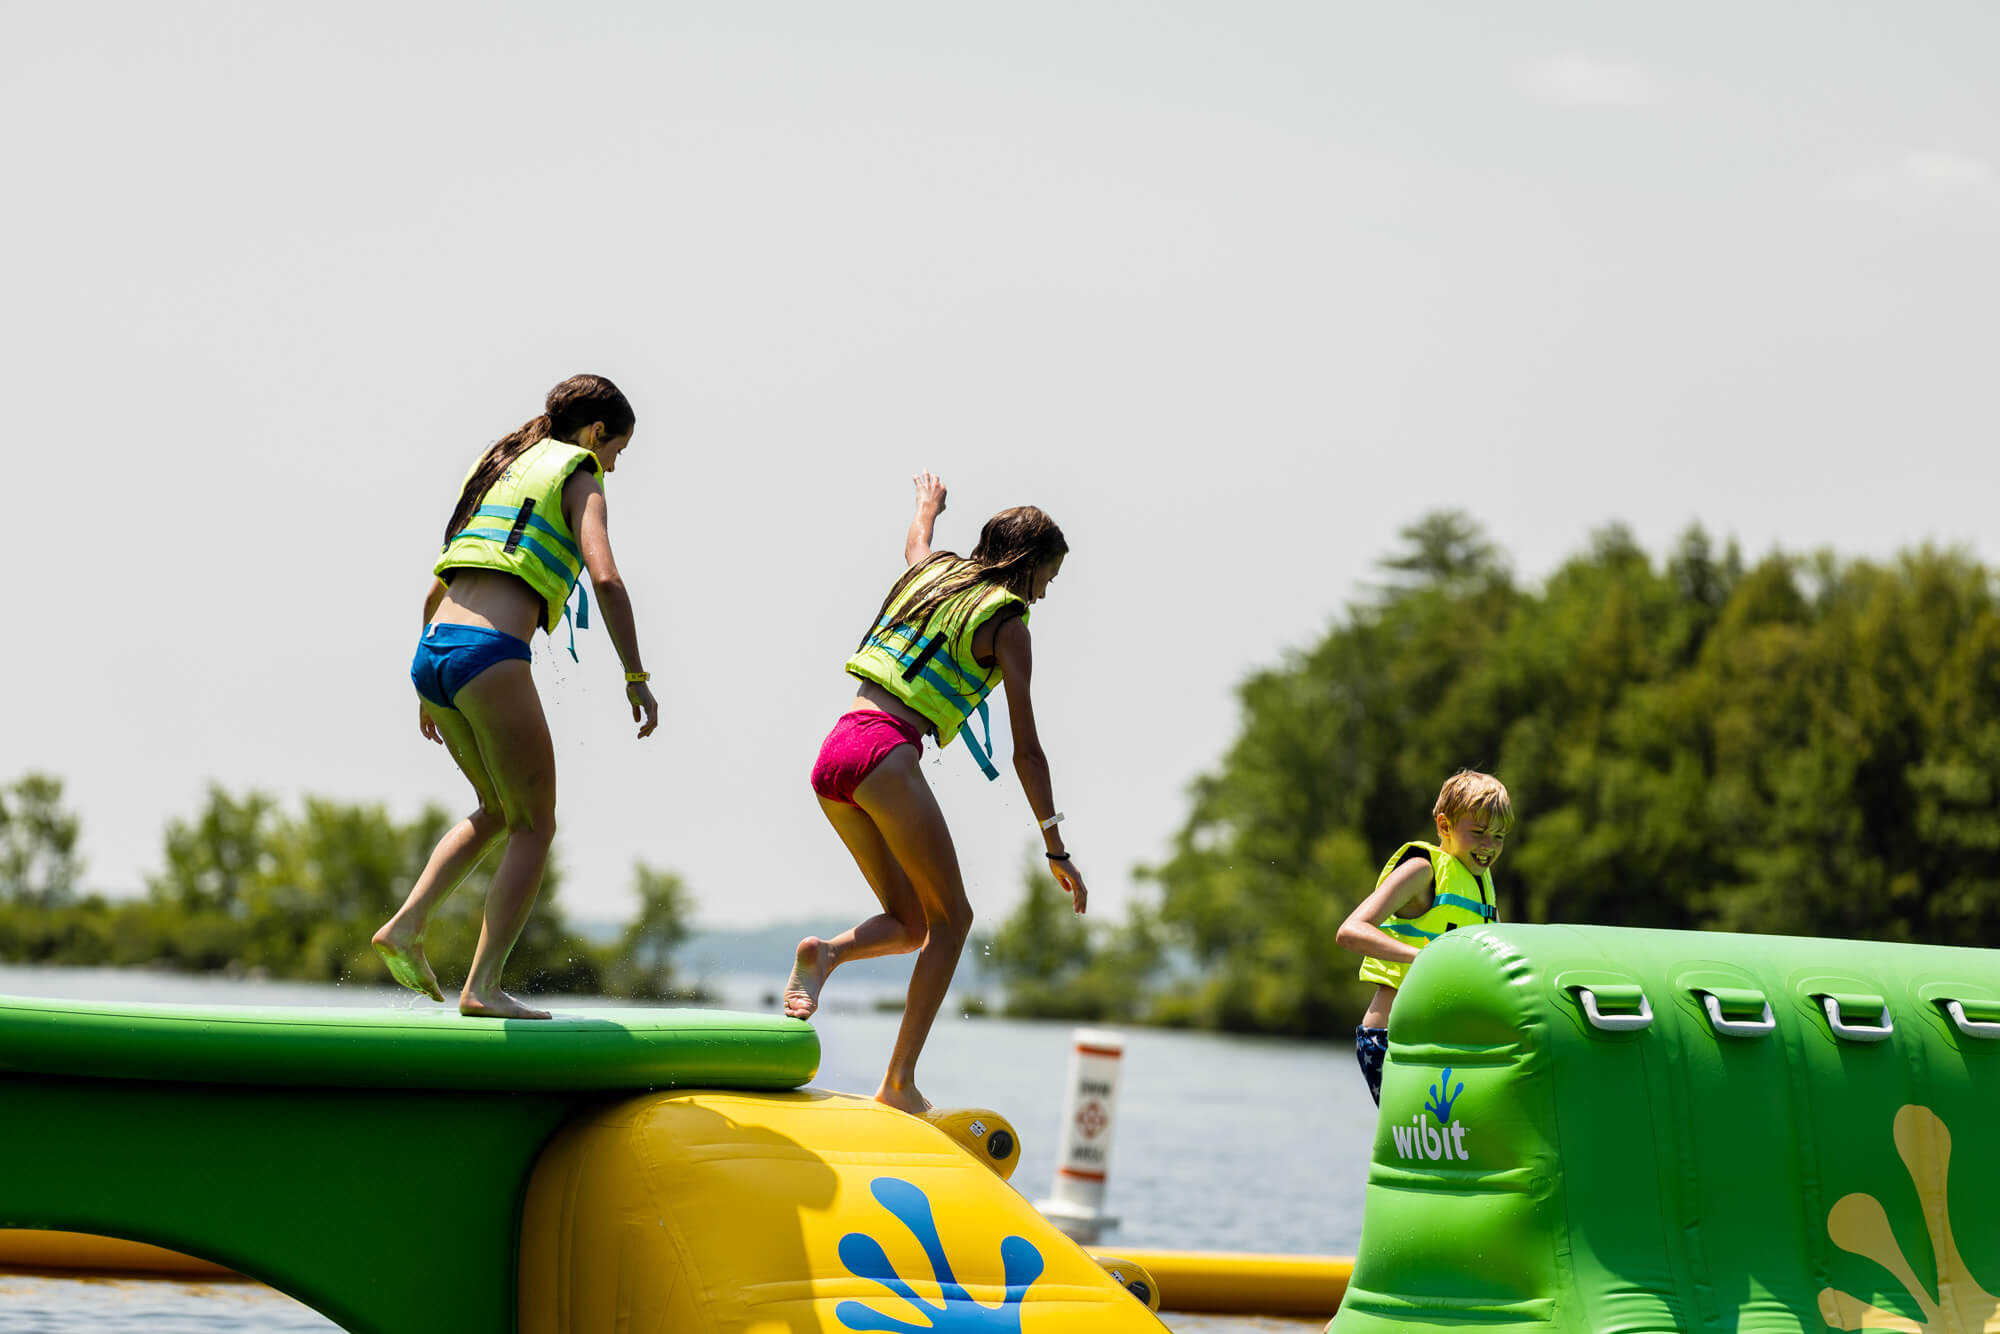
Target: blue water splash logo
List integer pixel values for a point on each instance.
(1440, 1105)
(1421, 1141)
(864, 1257)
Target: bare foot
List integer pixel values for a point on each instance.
(404, 953)
(498, 1005)
(809, 972)
(904, 1099)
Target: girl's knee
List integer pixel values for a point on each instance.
(524, 821)
(915, 931)
(488, 821)
(954, 924)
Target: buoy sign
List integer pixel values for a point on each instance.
(1093, 1094)
(1076, 1200)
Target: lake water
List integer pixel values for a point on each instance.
(1222, 1143)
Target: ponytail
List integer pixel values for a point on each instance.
(504, 451)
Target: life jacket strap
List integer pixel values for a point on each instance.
(582, 621)
(973, 748)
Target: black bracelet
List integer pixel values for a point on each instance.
(1057, 856)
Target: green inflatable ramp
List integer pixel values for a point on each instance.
(371, 1163)
(1588, 1130)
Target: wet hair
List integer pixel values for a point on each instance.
(570, 406)
(1011, 545)
(1469, 792)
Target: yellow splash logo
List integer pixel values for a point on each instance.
(1858, 1224)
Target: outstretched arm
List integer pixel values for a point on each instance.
(930, 504)
(594, 538)
(1362, 931)
(1014, 651)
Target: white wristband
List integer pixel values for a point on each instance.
(1053, 821)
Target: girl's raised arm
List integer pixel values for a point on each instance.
(1014, 651)
(930, 504)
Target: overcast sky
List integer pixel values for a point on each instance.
(1236, 291)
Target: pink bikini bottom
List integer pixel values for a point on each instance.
(855, 746)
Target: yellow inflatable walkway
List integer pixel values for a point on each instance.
(781, 1213)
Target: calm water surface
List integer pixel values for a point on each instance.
(1224, 1144)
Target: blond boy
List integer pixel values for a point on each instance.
(1425, 890)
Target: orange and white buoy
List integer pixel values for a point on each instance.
(1076, 1200)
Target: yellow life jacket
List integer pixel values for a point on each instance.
(1458, 898)
(519, 528)
(935, 673)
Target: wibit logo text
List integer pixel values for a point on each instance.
(1420, 1140)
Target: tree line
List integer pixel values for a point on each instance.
(248, 885)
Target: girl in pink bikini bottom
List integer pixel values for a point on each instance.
(879, 802)
(858, 742)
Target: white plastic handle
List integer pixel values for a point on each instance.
(1856, 1032)
(1614, 1023)
(1737, 1028)
(1972, 1028)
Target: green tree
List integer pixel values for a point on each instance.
(1043, 938)
(643, 966)
(38, 860)
(247, 883)
(214, 861)
(1057, 964)
(332, 875)
(1445, 549)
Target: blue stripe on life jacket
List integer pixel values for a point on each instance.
(508, 513)
(541, 553)
(1486, 911)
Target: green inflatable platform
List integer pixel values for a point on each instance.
(371, 1163)
(1601, 1131)
(578, 1050)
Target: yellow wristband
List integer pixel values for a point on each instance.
(637, 678)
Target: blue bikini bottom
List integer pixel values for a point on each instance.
(448, 656)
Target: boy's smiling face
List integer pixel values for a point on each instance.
(1475, 838)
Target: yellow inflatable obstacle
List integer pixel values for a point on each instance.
(1134, 1277)
(983, 1133)
(773, 1213)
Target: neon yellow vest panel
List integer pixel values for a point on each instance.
(935, 673)
(1458, 898)
(519, 527)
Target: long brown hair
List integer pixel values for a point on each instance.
(570, 406)
(1011, 545)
